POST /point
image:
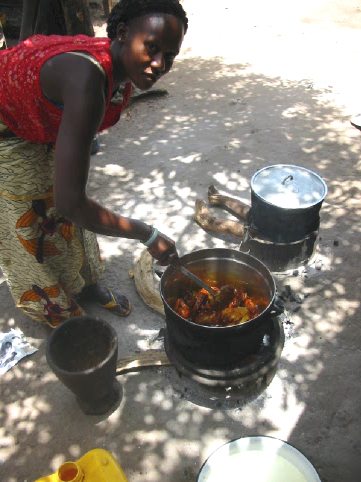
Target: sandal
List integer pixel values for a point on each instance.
(106, 298)
(117, 304)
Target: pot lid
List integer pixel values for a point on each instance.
(258, 459)
(288, 186)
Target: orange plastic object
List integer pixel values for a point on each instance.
(97, 465)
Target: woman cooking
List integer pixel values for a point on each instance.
(55, 95)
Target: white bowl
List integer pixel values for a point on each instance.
(257, 459)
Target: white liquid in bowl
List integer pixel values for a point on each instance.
(255, 466)
(257, 459)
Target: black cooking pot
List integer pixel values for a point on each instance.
(286, 201)
(213, 346)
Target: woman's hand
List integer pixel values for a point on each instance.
(163, 249)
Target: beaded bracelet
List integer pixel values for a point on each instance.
(152, 238)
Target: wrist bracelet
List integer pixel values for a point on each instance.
(152, 238)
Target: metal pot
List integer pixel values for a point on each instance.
(213, 346)
(286, 201)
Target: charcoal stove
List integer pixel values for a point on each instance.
(251, 373)
(279, 257)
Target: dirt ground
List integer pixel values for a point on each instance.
(256, 84)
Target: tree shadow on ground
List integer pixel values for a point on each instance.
(220, 127)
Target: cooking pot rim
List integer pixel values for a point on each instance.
(272, 287)
(298, 209)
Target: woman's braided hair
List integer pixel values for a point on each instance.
(125, 10)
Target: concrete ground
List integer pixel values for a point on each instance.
(256, 84)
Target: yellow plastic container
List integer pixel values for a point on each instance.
(98, 465)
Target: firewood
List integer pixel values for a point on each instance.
(238, 208)
(203, 217)
(142, 360)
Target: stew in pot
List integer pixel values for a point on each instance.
(231, 305)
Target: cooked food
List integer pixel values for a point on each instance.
(230, 306)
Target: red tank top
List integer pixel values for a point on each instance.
(24, 108)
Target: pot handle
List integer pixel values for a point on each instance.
(288, 178)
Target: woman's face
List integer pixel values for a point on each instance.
(149, 46)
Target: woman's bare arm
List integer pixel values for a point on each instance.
(82, 94)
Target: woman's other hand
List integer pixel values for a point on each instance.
(163, 249)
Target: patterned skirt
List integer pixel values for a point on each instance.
(45, 259)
